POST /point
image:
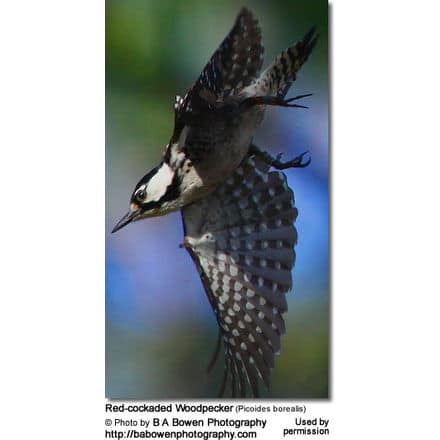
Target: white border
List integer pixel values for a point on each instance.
(385, 148)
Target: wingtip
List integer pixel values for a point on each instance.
(245, 10)
(215, 354)
(308, 42)
(310, 33)
(247, 13)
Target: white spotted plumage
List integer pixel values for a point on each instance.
(238, 216)
(245, 298)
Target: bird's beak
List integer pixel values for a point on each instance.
(128, 218)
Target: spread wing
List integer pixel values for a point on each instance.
(238, 59)
(234, 65)
(241, 239)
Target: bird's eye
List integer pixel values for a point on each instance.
(140, 195)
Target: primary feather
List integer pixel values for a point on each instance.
(238, 216)
(277, 78)
(241, 239)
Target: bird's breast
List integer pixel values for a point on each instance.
(216, 152)
(211, 155)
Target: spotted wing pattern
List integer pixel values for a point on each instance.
(241, 239)
(238, 59)
(234, 65)
(277, 78)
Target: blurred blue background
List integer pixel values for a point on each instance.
(160, 329)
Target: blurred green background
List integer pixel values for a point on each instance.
(160, 330)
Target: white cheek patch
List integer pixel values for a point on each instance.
(159, 183)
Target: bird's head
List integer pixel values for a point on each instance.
(155, 194)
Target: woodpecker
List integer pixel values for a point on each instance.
(238, 213)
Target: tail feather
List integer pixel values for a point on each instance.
(276, 79)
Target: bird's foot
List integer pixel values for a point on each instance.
(296, 162)
(273, 100)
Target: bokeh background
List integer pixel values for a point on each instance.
(160, 330)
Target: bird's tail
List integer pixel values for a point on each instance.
(278, 77)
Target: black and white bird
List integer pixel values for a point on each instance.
(237, 214)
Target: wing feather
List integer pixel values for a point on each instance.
(234, 65)
(241, 238)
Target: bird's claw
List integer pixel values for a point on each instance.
(297, 162)
(287, 102)
(272, 100)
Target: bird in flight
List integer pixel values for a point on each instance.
(237, 212)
